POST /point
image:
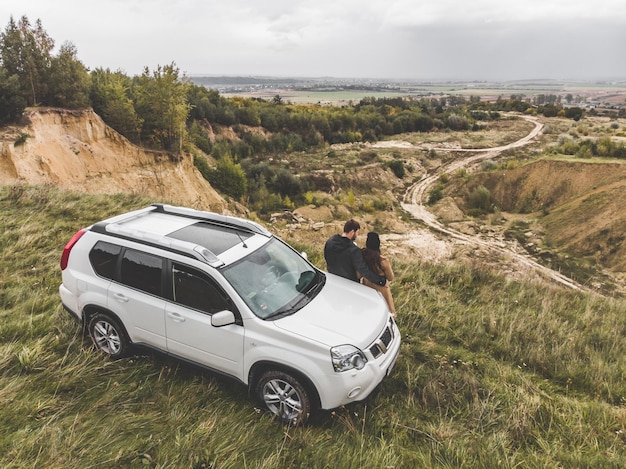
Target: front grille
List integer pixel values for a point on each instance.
(381, 344)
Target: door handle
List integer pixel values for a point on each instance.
(120, 297)
(176, 317)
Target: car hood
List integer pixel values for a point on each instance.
(344, 312)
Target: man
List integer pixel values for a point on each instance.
(344, 258)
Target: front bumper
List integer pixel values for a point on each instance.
(355, 385)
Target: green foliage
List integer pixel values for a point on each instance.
(21, 139)
(26, 52)
(480, 198)
(199, 137)
(603, 147)
(228, 177)
(397, 166)
(12, 104)
(456, 122)
(160, 102)
(350, 199)
(69, 80)
(574, 113)
(435, 194)
(488, 165)
(112, 99)
(202, 165)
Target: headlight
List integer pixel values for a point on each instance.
(347, 357)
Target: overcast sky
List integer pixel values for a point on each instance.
(433, 40)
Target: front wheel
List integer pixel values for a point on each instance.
(284, 396)
(108, 336)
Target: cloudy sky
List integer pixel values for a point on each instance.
(418, 39)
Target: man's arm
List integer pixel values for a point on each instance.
(362, 268)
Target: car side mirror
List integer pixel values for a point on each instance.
(222, 318)
(303, 254)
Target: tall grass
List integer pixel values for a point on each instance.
(492, 373)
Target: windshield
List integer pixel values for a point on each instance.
(274, 280)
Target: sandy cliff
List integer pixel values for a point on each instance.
(76, 150)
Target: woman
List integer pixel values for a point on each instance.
(379, 265)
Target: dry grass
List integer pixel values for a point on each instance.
(492, 373)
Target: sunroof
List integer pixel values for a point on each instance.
(216, 239)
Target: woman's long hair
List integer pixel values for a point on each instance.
(372, 259)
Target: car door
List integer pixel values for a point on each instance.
(190, 335)
(136, 297)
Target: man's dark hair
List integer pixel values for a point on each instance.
(351, 225)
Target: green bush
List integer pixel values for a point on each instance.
(480, 198)
(21, 139)
(202, 165)
(228, 177)
(397, 166)
(435, 194)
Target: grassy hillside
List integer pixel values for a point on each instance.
(492, 373)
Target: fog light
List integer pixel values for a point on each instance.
(354, 392)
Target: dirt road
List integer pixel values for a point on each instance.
(415, 196)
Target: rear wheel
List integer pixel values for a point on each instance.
(284, 396)
(108, 336)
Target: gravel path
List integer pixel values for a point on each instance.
(415, 196)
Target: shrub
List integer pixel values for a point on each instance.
(228, 177)
(488, 165)
(397, 166)
(480, 198)
(435, 194)
(200, 138)
(202, 165)
(455, 122)
(21, 139)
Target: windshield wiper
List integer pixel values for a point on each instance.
(304, 298)
(290, 307)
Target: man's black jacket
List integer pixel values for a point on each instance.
(344, 258)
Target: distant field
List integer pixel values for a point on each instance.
(322, 97)
(607, 92)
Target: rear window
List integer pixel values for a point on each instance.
(216, 239)
(103, 258)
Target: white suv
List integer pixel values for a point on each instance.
(224, 293)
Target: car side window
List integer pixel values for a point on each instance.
(103, 258)
(196, 290)
(142, 271)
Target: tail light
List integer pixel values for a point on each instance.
(68, 247)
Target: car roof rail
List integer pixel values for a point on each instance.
(214, 218)
(178, 246)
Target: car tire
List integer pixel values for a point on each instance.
(284, 396)
(108, 336)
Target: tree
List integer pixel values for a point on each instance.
(25, 51)
(160, 101)
(12, 104)
(574, 113)
(110, 98)
(69, 79)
